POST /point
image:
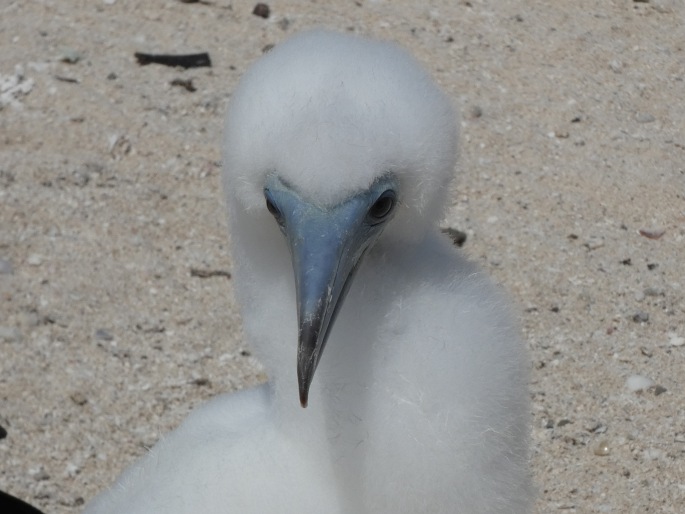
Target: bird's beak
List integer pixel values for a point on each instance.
(326, 246)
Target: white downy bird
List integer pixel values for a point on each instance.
(338, 156)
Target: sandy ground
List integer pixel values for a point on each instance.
(572, 142)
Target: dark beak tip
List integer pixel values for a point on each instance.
(304, 398)
(305, 372)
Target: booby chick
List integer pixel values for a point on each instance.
(338, 156)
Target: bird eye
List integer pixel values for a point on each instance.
(271, 206)
(383, 206)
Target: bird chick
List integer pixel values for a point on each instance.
(338, 155)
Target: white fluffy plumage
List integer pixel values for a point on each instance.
(419, 403)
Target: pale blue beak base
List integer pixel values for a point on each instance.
(326, 246)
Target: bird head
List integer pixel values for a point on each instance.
(341, 142)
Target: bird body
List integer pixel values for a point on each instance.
(337, 158)
(228, 456)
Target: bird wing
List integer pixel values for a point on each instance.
(229, 456)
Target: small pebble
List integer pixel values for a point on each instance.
(475, 112)
(35, 259)
(102, 335)
(676, 341)
(457, 236)
(644, 117)
(283, 23)
(616, 66)
(3, 432)
(653, 454)
(42, 494)
(72, 469)
(653, 291)
(595, 427)
(651, 233)
(70, 57)
(78, 398)
(645, 351)
(10, 334)
(186, 84)
(641, 317)
(29, 318)
(6, 177)
(261, 10)
(593, 243)
(202, 381)
(5, 267)
(39, 474)
(602, 448)
(637, 383)
(659, 390)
